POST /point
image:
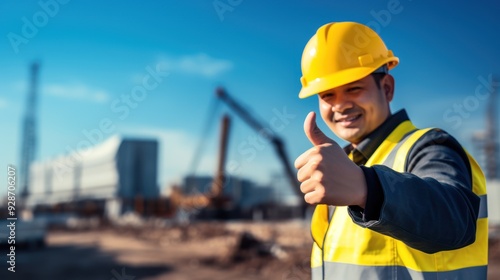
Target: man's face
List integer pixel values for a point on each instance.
(354, 110)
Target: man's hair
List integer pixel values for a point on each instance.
(378, 77)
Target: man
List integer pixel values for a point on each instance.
(398, 202)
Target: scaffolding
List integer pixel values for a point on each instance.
(486, 141)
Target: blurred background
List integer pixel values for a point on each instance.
(155, 140)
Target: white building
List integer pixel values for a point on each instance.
(493, 189)
(119, 168)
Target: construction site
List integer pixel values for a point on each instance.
(99, 214)
(103, 205)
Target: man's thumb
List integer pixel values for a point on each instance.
(313, 133)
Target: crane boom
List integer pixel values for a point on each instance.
(215, 197)
(267, 133)
(218, 183)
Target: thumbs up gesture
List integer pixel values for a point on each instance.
(326, 174)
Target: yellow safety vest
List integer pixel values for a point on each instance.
(344, 250)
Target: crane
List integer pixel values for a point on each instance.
(486, 141)
(277, 142)
(29, 140)
(215, 196)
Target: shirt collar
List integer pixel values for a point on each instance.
(367, 146)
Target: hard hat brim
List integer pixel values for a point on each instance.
(343, 77)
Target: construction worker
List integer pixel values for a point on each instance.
(398, 202)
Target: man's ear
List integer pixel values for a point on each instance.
(387, 86)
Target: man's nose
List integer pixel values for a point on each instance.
(342, 103)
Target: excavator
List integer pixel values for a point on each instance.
(277, 142)
(215, 197)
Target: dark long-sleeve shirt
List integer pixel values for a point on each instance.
(430, 206)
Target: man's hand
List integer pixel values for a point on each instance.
(328, 176)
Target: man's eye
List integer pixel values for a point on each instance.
(326, 95)
(353, 89)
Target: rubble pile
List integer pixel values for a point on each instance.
(257, 248)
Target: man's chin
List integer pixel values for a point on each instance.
(349, 135)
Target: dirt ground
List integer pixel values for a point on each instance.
(271, 250)
(200, 251)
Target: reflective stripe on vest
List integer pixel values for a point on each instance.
(350, 271)
(344, 250)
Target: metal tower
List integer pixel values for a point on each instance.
(491, 145)
(28, 149)
(486, 142)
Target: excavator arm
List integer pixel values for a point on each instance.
(267, 133)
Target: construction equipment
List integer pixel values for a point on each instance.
(486, 141)
(28, 150)
(215, 196)
(491, 145)
(277, 142)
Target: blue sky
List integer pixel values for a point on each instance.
(95, 55)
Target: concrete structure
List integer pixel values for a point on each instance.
(247, 200)
(243, 192)
(493, 188)
(119, 168)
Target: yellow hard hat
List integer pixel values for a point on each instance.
(340, 53)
